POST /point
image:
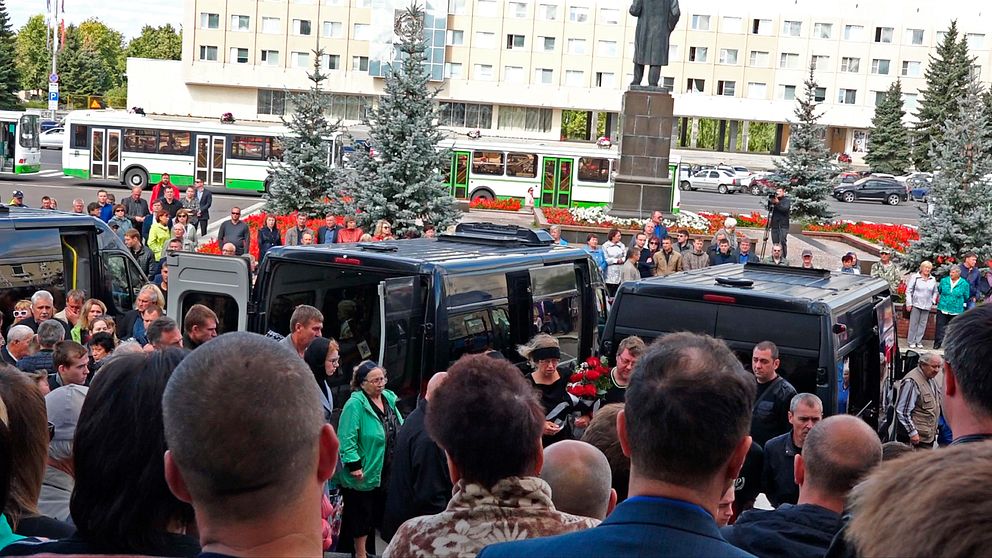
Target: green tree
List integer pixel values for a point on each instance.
(34, 61)
(889, 149)
(304, 180)
(960, 217)
(163, 43)
(82, 70)
(573, 124)
(400, 182)
(95, 36)
(947, 77)
(808, 161)
(9, 80)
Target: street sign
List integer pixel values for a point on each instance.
(53, 106)
(53, 87)
(96, 102)
(53, 96)
(53, 77)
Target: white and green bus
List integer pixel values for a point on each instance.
(20, 142)
(137, 149)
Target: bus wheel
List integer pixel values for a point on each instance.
(136, 177)
(482, 195)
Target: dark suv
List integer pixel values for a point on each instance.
(872, 188)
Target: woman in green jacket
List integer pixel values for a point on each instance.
(953, 294)
(367, 431)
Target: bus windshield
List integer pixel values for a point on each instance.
(29, 132)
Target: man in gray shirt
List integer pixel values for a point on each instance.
(234, 231)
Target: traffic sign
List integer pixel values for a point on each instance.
(53, 87)
(53, 106)
(53, 77)
(53, 96)
(96, 102)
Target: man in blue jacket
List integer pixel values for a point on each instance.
(680, 465)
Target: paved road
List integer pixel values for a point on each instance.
(905, 213)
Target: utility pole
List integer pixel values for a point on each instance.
(53, 78)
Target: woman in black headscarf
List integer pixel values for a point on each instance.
(323, 358)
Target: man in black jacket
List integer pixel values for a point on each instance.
(770, 415)
(141, 253)
(42, 310)
(328, 232)
(419, 483)
(778, 479)
(780, 206)
(205, 199)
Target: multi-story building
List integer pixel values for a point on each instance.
(511, 67)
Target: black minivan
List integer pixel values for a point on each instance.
(823, 323)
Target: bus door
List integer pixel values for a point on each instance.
(556, 188)
(459, 174)
(105, 153)
(8, 142)
(211, 159)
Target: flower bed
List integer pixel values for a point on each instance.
(504, 204)
(897, 237)
(597, 217)
(256, 222)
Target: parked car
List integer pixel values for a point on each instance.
(712, 179)
(766, 184)
(52, 138)
(915, 177)
(885, 190)
(845, 178)
(49, 124)
(743, 174)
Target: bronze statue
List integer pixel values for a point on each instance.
(655, 21)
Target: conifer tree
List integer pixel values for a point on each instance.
(9, 77)
(889, 148)
(398, 179)
(304, 180)
(808, 164)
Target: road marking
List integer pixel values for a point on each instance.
(51, 173)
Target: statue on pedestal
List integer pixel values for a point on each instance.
(655, 21)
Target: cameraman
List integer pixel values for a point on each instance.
(779, 206)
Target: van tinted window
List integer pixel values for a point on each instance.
(479, 331)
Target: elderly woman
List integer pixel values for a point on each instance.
(367, 431)
(921, 296)
(953, 294)
(544, 353)
(92, 309)
(729, 230)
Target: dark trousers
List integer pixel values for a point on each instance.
(780, 236)
(942, 321)
(203, 227)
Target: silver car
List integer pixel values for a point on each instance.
(52, 138)
(712, 179)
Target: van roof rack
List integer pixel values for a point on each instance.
(376, 247)
(491, 233)
(812, 272)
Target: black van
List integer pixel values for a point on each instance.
(415, 306)
(58, 252)
(822, 322)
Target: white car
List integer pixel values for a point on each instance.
(52, 138)
(743, 174)
(712, 179)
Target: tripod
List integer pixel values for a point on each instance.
(768, 232)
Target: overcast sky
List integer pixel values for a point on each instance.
(128, 17)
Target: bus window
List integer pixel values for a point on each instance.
(29, 132)
(487, 162)
(174, 142)
(521, 165)
(275, 149)
(141, 140)
(80, 137)
(594, 170)
(248, 147)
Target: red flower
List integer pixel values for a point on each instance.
(575, 378)
(504, 204)
(591, 390)
(593, 374)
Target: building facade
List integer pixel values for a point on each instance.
(511, 67)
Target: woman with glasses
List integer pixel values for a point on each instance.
(22, 311)
(323, 358)
(92, 309)
(367, 430)
(119, 223)
(383, 231)
(190, 238)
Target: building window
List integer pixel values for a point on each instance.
(911, 68)
(333, 29)
(820, 94)
(730, 24)
(271, 101)
(270, 25)
(331, 61)
(578, 14)
(788, 60)
(238, 56)
(240, 23)
(548, 11)
(789, 92)
(976, 41)
(208, 53)
(456, 37)
(361, 32)
(300, 59)
(528, 119)
(576, 46)
(465, 115)
(909, 102)
(485, 8)
(270, 57)
(666, 82)
(693, 85)
(879, 97)
(759, 59)
(701, 22)
(359, 63)
(728, 55)
(940, 36)
(547, 43)
(853, 32)
(607, 49)
(209, 21)
(458, 7)
(544, 75)
(847, 96)
(513, 74)
(914, 37)
(761, 26)
(301, 27)
(850, 64)
(484, 39)
(880, 66)
(883, 34)
(823, 30)
(673, 52)
(726, 88)
(452, 70)
(516, 9)
(514, 41)
(697, 54)
(363, 3)
(792, 28)
(976, 71)
(575, 78)
(820, 62)
(609, 16)
(606, 79)
(349, 107)
(757, 90)
(483, 72)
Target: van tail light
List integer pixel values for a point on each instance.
(347, 261)
(722, 299)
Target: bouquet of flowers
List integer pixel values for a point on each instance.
(590, 380)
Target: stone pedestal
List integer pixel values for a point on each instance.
(643, 184)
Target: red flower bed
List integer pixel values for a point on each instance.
(256, 222)
(505, 204)
(561, 216)
(896, 237)
(752, 221)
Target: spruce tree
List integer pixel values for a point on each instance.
(9, 77)
(947, 77)
(889, 148)
(304, 180)
(808, 164)
(398, 180)
(961, 189)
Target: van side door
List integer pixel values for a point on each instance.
(221, 283)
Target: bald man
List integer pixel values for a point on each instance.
(580, 479)
(419, 483)
(837, 454)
